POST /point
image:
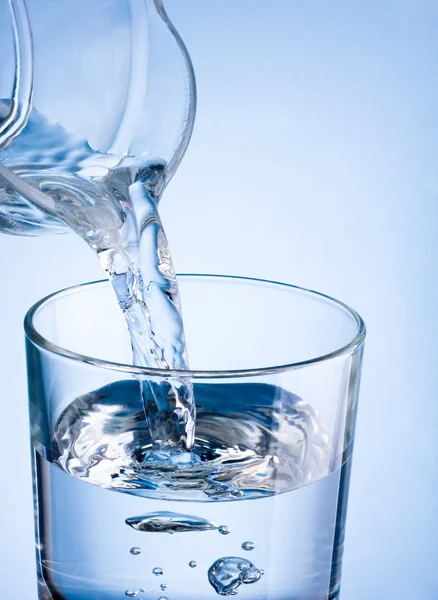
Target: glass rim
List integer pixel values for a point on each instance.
(348, 348)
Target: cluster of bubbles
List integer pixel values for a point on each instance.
(225, 575)
(134, 593)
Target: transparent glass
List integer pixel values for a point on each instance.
(276, 373)
(94, 96)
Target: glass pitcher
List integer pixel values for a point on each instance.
(87, 90)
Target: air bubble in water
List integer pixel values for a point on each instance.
(158, 571)
(248, 546)
(162, 598)
(250, 575)
(224, 529)
(142, 590)
(131, 593)
(193, 564)
(228, 573)
(169, 522)
(135, 550)
(163, 586)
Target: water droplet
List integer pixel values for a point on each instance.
(169, 522)
(131, 593)
(248, 546)
(227, 574)
(163, 586)
(224, 529)
(158, 571)
(193, 564)
(135, 550)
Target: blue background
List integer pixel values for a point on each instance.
(314, 162)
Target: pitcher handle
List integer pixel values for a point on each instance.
(21, 101)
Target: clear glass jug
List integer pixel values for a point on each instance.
(88, 89)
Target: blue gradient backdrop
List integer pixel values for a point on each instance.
(314, 161)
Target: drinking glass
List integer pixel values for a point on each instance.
(258, 509)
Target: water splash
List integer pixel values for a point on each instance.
(274, 443)
(111, 202)
(51, 179)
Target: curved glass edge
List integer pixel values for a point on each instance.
(42, 342)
